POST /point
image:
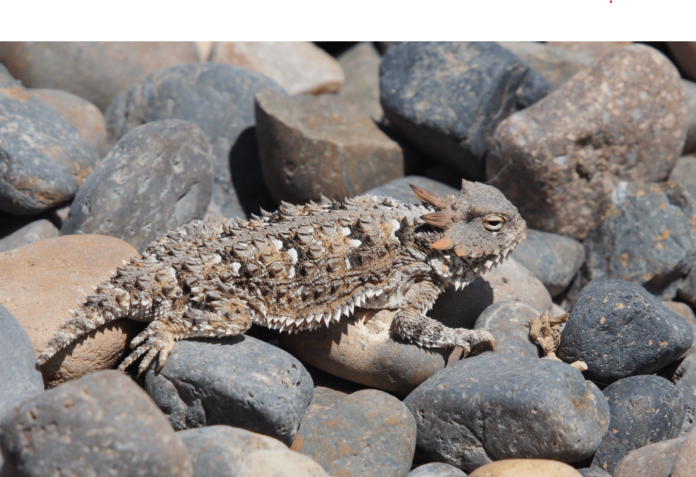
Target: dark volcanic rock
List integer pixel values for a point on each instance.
(654, 460)
(100, 424)
(220, 100)
(12, 237)
(43, 158)
(20, 377)
(240, 382)
(399, 188)
(367, 433)
(645, 233)
(96, 71)
(319, 145)
(553, 259)
(448, 97)
(508, 322)
(157, 177)
(621, 119)
(436, 469)
(619, 330)
(494, 407)
(690, 144)
(644, 410)
(361, 87)
(218, 451)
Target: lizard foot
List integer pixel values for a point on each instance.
(151, 343)
(478, 340)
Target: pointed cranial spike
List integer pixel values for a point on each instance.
(323, 199)
(436, 219)
(443, 244)
(428, 197)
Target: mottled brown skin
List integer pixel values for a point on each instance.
(305, 266)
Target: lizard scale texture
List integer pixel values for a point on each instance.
(306, 266)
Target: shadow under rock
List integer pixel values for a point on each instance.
(247, 178)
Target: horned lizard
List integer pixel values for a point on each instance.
(302, 267)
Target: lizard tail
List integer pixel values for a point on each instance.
(107, 304)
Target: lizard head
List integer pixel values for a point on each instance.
(479, 225)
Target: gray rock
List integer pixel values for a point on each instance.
(29, 233)
(684, 377)
(280, 463)
(399, 188)
(4, 469)
(552, 258)
(593, 473)
(157, 177)
(654, 460)
(690, 144)
(219, 451)
(436, 469)
(684, 172)
(368, 433)
(508, 322)
(43, 157)
(220, 100)
(360, 89)
(5, 77)
(632, 242)
(239, 381)
(494, 407)
(448, 97)
(20, 376)
(100, 424)
(644, 410)
(619, 330)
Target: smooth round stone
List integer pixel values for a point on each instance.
(525, 468)
(654, 460)
(319, 145)
(508, 322)
(19, 376)
(630, 241)
(300, 67)
(400, 189)
(220, 100)
(619, 330)
(684, 172)
(360, 89)
(365, 350)
(280, 463)
(368, 433)
(448, 97)
(44, 165)
(690, 144)
(436, 469)
(42, 281)
(683, 310)
(606, 124)
(158, 177)
(31, 232)
(96, 71)
(685, 463)
(553, 259)
(591, 472)
(509, 281)
(100, 424)
(500, 406)
(79, 112)
(328, 391)
(592, 49)
(219, 451)
(239, 381)
(644, 410)
(556, 65)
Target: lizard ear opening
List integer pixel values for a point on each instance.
(428, 197)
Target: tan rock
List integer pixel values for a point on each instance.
(40, 282)
(280, 463)
(654, 460)
(361, 88)
(298, 66)
(525, 468)
(685, 463)
(365, 350)
(683, 310)
(685, 56)
(556, 65)
(79, 112)
(593, 49)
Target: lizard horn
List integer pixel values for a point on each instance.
(428, 197)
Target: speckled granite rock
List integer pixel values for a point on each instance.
(319, 145)
(361, 87)
(436, 469)
(367, 433)
(158, 177)
(96, 71)
(493, 407)
(553, 259)
(19, 375)
(644, 410)
(525, 468)
(280, 463)
(239, 381)
(508, 322)
(100, 424)
(690, 90)
(220, 100)
(29, 233)
(592, 49)
(653, 460)
(607, 124)
(44, 165)
(448, 97)
(619, 330)
(219, 451)
(685, 463)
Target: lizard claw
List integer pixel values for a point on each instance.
(156, 342)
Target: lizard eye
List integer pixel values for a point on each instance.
(493, 223)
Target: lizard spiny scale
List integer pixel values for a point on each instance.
(306, 266)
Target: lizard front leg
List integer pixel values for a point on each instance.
(412, 324)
